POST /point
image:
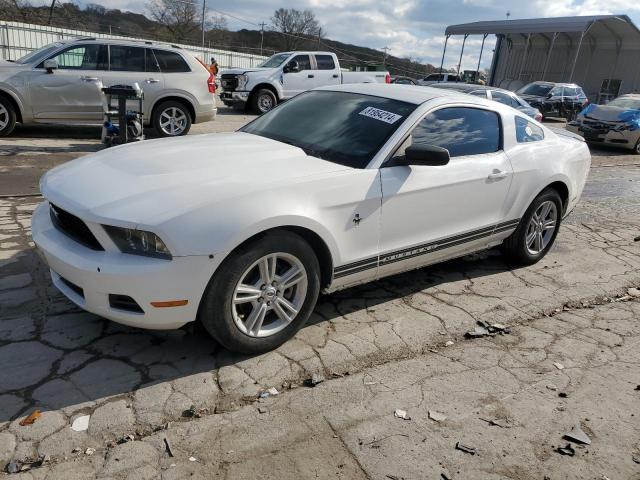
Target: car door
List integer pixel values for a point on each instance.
(132, 64)
(430, 213)
(72, 91)
(327, 72)
(295, 82)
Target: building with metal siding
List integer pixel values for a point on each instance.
(600, 53)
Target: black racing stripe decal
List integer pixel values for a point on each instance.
(356, 264)
(419, 250)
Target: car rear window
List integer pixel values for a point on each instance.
(325, 62)
(341, 127)
(171, 62)
(124, 58)
(527, 131)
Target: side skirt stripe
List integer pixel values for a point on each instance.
(419, 250)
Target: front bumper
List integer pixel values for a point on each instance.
(625, 139)
(234, 98)
(88, 277)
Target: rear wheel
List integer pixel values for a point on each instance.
(636, 149)
(537, 230)
(263, 101)
(7, 117)
(171, 119)
(262, 294)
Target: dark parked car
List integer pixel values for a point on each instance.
(400, 80)
(563, 100)
(616, 123)
(495, 94)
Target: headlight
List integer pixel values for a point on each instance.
(242, 81)
(138, 242)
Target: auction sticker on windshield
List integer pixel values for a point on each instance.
(381, 115)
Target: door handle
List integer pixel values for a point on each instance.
(497, 175)
(89, 79)
(335, 75)
(310, 76)
(152, 80)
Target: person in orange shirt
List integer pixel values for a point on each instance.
(213, 68)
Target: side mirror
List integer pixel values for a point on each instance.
(50, 65)
(292, 66)
(549, 95)
(427, 155)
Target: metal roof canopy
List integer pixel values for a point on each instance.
(618, 24)
(620, 28)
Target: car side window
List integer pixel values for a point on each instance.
(556, 92)
(304, 63)
(171, 62)
(501, 97)
(527, 131)
(150, 62)
(82, 57)
(461, 130)
(123, 58)
(325, 62)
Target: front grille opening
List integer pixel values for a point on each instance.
(73, 228)
(124, 302)
(73, 287)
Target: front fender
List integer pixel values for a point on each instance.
(13, 91)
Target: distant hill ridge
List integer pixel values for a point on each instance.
(100, 19)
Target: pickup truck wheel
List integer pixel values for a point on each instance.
(263, 101)
(7, 117)
(537, 230)
(262, 294)
(171, 119)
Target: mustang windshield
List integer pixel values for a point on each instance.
(275, 60)
(341, 127)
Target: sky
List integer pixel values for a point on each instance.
(410, 28)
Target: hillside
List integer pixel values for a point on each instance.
(100, 19)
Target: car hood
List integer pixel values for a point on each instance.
(609, 113)
(240, 71)
(157, 180)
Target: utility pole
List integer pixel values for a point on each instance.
(204, 6)
(261, 36)
(386, 51)
(53, 4)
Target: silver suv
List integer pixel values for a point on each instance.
(60, 83)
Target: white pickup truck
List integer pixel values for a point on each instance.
(285, 75)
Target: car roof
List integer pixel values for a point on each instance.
(556, 84)
(117, 41)
(405, 93)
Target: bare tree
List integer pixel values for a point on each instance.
(179, 17)
(295, 25)
(15, 10)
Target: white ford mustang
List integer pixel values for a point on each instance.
(336, 187)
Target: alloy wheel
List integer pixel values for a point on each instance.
(4, 117)
(541, 227)
(269, 295)
(173, 121)
(265, 103)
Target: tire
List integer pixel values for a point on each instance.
(7, 117)
(233, 323)
(516, 247)
(636, 149)
(162, 115)
(263, 101)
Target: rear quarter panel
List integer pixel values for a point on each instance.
(536, 165)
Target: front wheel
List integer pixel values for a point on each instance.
(7, 117)
(536, 231)
(262, 294)
(263, 101)
(171, 119)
